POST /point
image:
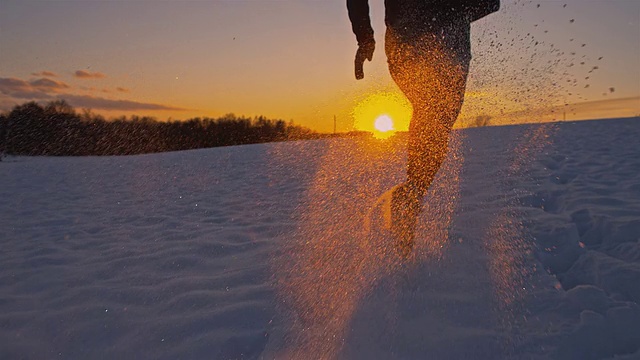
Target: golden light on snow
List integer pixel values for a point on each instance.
(382, 114)
(341, 252)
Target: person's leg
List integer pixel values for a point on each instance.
(431, 70)
(430, 128)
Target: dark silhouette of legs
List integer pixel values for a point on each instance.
(431, 69)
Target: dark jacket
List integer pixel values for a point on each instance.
(417, 13)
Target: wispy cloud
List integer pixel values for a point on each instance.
(85, 101)
(82, 74)
(38, 89)
(48, 85)
(45, 73)
(15, 90)
(103, 90)
(9, 86)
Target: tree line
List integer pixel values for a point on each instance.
(56, 128)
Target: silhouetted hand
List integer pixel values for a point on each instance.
(365, 51)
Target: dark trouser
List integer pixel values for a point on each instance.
(430, 67)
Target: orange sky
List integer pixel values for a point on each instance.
(293, 59)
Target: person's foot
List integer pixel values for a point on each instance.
(405, 208)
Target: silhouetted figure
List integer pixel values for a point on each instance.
(428, 50)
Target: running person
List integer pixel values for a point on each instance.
(428, 50)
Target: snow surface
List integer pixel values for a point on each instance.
(528, 248)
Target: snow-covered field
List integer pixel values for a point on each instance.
(528, 248)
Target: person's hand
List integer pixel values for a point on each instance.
(365, 51)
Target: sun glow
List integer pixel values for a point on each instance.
(382, 114)
(384, 123)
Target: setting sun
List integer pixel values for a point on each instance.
(382, 114)
(384, 123)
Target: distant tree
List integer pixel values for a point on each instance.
(88, 115)
(57, 129)
(59, 107)
(482, 120)
(4, 122)
(24, 128)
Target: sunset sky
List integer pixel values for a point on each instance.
(294, 59)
